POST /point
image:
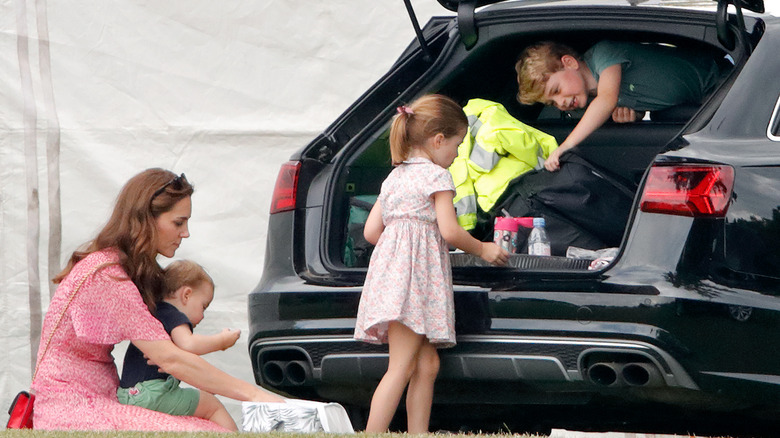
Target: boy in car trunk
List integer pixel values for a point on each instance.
(623, 78)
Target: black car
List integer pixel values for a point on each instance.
(675, 332)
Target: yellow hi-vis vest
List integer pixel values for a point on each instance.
(497, 149)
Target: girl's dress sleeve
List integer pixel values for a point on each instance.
(439, 180)
(108, 309)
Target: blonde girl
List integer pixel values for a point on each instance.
(407, 299)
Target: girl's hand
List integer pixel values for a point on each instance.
(493, 254)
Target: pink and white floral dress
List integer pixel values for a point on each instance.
(77, 380)
(409, 279)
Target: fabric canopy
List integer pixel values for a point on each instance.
(95, 92)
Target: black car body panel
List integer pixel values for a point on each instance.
(681, 322)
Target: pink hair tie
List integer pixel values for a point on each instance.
(404, 110)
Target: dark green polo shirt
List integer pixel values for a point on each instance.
(655, 76)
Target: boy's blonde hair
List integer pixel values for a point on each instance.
(427, 116)
(535, 66)
(184, 273)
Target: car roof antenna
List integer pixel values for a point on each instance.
(418, 31)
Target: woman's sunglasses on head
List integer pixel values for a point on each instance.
(177, 183)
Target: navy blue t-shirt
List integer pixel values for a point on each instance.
(135, 368)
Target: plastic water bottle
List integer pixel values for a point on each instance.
(538, 243)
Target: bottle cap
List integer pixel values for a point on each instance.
(539, 222)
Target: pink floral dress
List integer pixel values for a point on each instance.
(409, 279)
(76, 384)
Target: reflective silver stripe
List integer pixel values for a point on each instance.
(539, 158)
(466, 205)
(483, 158)
(474, 124)
(479, 155)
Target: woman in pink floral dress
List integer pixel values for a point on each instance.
(407, 297)
(120, 280)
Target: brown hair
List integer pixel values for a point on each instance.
(427, 116)
(534, 67)
(184, 273)
(132, 229)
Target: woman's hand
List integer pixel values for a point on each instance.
(193, 370)
(265, 396)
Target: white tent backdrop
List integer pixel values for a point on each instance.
(94, 92)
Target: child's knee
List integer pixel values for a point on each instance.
(404, 372)
(428, 364)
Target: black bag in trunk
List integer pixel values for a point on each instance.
(582, 206)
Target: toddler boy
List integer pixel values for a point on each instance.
(190, 291)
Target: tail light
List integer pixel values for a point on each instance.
(286, 187)
(688, 190)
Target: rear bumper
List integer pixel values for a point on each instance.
(527, 348)
(338, 365)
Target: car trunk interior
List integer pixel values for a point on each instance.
(621, 152)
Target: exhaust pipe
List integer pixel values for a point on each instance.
(604, 373)
(641, 374)
(298, 372)
(273, 372)
(287, 372)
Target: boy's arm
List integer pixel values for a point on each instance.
(598, 112)
(183, 337)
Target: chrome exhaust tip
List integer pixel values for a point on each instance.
(298, 372)
(641, 374)
(273, 372)
(604, 373)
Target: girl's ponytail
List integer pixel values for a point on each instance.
(427, 116)
(399, 137)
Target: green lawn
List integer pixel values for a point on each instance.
(121, 434)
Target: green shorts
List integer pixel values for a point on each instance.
(161, 396)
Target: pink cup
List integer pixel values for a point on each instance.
(505, 231)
